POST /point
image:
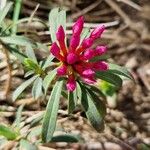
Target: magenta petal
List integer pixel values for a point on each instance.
(87, 43)
(62, 70)
(71, 85)
(55, 50)
(88, 54)
(72, 58)
(96, 33)
(74, 42)
(60, 34)
(102, 66)
(78, 26)
(100, 50)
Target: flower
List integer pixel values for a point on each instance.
(76, 59)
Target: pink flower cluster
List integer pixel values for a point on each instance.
(75, 60)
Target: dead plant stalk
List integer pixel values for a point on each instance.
(9, 79)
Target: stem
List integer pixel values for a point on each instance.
(16, 15)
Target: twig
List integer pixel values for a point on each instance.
(32, 15)
(8, 145)
(120, 142)
(8, 82)
(119, 11)
(87, 9)
(132, 4)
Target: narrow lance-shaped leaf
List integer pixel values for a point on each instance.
(93, 108)
(65, 138)
(85, 33)
(57, 17)
(30, 53)
(61, 19)
(53, 23)
(16, 39)
(18, 117)
(72, 100)
(79, 92)
(8, 132)
(48, 61)
(37, 88)
(110, 77)
(49, 121)
(4, 11)
(120, 71)
(48, 79)
(96, 91)
(26, 145)
(22, 87)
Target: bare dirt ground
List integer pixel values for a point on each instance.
(128, 122)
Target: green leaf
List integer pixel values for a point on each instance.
(48, 79)
(99, 58)
(18, 117)
(107, 88)
(53, 23)
(48, 61)
(22, 87)
(79, 92)
(16, 39)
(94, 108)
(32, 66)
(30, 53)
(85, 33)
(96, 91)
(49, 121)
(72, 97)
(4, 11)
(8, 132)
(29, 73)
(65, 138)
(20, 56)
(56, 18)
(34, 132)
(37, 88)
(26, 145)
(113, 68)
(143, 146)
(37, 120)
(61, 19)
(110, 77)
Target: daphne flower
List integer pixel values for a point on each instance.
(76, 59)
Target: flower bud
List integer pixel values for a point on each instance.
(100, 50)
(86, 43)
(71, 84)
(62, 70)
(55, 50)
(101, 66)
(60, 34)
(88, 54)
(78, 26)
(96, 33)
(74, 42)
(72, 58)
(88, 73)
